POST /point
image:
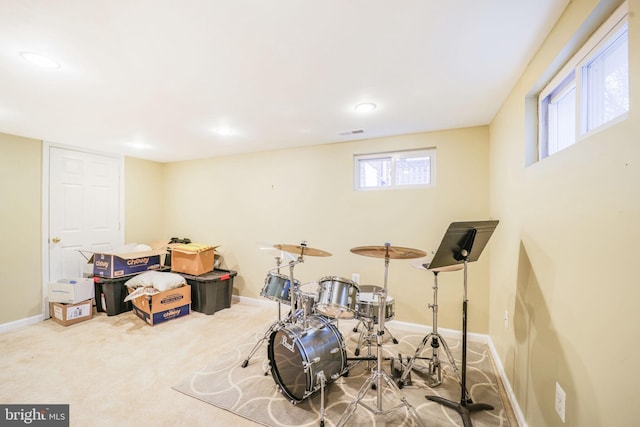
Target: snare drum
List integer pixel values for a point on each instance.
(276, 287)
(337, 297)
(367, 306)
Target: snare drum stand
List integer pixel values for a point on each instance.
(280, 322)
(434, 375)
(366, 334)
(378, 375)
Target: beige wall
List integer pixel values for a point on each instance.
(248, 201)
(20, 228)
(244, 202)
(563, 263)
(143, 201)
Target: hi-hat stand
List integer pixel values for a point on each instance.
(379, 375)
(463, 243)
(434, 368)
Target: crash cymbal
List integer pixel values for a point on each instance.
(393, 252)
(423, 264)
(302, 250)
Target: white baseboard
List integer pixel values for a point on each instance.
(255, 301)
(412, 327)
(522, 422)
(446, 333)
(10, 326)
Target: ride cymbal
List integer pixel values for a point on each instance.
(393, 252)
(302, 250)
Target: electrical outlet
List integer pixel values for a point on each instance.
(561, 398)
(506, 319)
(355, 277)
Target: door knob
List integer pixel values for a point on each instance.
(56, 240)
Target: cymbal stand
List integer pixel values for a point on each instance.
(323, 382)
(278, 262)
(294, 294)
(434, 375)
(280, 322)
(379, 375)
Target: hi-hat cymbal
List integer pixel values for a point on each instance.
(423, 264)
(393, 252)
(302, 250)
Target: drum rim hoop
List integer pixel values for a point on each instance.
(337, 279)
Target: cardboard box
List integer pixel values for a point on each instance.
(87, 254)
(71, 291)
(111, 265)
(192, 258)
(68, 314)
(164, 305)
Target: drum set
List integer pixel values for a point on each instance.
(306, 351)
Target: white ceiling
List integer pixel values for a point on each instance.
(154, 79)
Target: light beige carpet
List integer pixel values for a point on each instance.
(250, 393)
(118, 371)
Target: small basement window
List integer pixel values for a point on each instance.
(394, 170)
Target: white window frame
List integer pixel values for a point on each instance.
(608, 40)
(394, 156)
(600, 38)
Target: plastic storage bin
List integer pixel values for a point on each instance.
(110, 295)
(211, 292)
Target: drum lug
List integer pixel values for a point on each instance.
(334, 350)
(305, 365)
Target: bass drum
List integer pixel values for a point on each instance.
(298, 354)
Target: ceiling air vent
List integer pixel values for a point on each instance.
(351, 132)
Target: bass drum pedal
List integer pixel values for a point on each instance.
(397, 371)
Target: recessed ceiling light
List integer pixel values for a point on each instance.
(39, 60)
(224, 131)
(365, 107)
(140, 145)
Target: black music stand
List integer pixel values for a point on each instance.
(463, 243)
